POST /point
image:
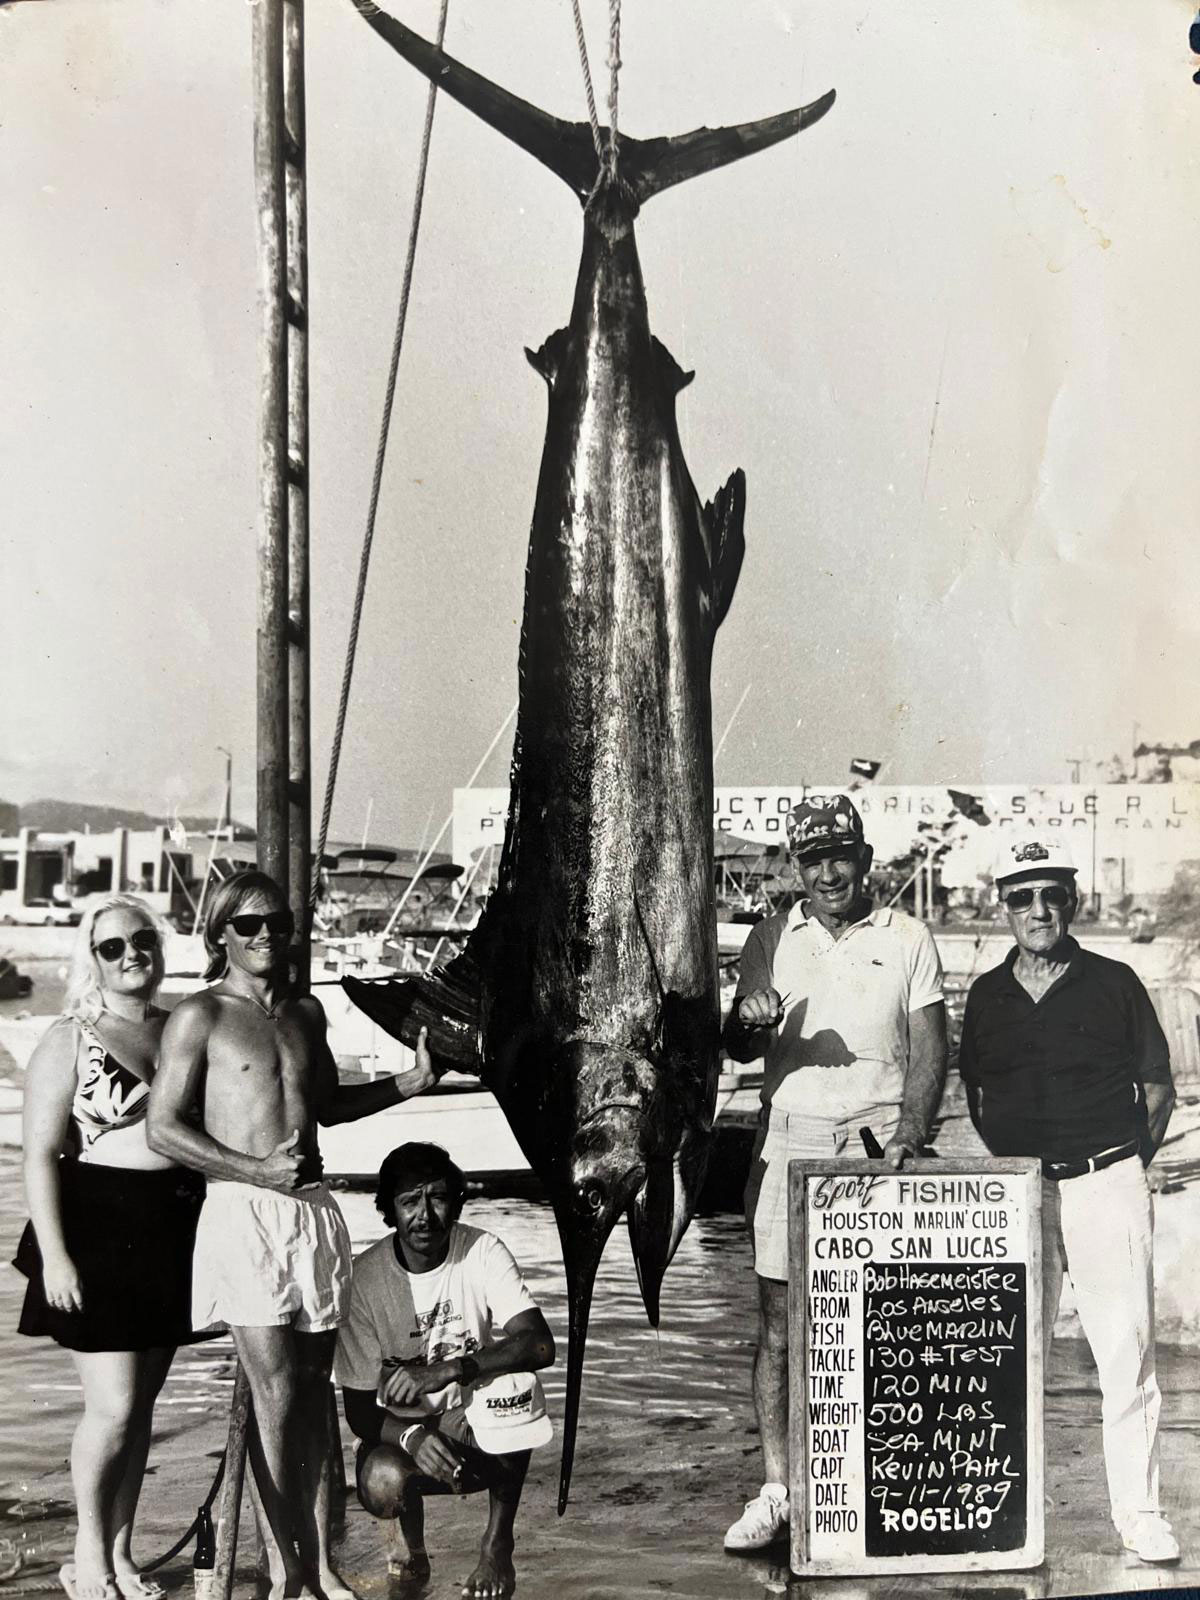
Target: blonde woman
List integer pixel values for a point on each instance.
(109, 1249)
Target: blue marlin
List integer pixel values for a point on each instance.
(587, 996)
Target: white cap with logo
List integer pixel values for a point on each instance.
(1030, 855)
(508, 1413)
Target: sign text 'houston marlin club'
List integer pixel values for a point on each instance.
(1124, 837)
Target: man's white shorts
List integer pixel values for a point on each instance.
(265, 1259)
(785, 1136)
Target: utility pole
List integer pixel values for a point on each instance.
(272, 663)
(299, 642)
(282, 667)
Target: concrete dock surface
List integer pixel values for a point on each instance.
(667, 1453)
(650, 1501)
(667, 1450)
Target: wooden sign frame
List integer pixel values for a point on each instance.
(1028, 1191)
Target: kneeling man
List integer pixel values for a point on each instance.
(436, 1362)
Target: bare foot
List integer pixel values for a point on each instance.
(493, 1579)
(133, 1586)
(81, 1584)
(412, 1565)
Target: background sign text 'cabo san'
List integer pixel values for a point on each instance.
(916, 1404)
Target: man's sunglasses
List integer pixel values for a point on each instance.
(252, 922)
(145, 939)
(1057, 897)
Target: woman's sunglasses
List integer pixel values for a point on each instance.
(1057, 897)
(252, 922)
(145, 939)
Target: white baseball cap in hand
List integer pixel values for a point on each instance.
(508, 1413)
(1031, 855)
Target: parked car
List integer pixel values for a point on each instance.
(14, 984)
(38, 913)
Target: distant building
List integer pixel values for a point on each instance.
(1126, 839)
(36, 865)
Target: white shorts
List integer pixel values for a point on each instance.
(267, 1260)
(785, 1136)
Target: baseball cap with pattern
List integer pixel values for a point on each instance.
(508, 1413)
(1030, 855)
(823, 822)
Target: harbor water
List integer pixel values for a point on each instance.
(667, 1446)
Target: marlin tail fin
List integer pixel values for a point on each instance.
(647, 166)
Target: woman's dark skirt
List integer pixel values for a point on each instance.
(130, 1234)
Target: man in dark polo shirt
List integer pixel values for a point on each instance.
(1063, 1058)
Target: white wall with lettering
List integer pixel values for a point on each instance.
(1125, 838)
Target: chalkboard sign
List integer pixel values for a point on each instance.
(915, 1329)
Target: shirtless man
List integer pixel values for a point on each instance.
(272, 1257)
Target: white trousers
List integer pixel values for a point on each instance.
(1099, 1229)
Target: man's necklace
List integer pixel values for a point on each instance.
(270, 1012)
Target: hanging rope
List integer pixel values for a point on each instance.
(614, 70)
(376, 480)
(597, 140)
(606, 155)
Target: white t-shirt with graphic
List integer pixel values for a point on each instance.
(457, 1308)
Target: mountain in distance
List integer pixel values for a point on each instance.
(67, 816)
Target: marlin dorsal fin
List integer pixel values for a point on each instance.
(446, 1001)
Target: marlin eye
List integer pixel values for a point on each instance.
(590, 1195)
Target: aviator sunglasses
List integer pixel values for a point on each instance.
(1057, 897)
(250, 923)
(144, 939)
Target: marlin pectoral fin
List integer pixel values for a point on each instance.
(670, 372)
(548, 358)
(445, 1001)
(651, 1218)
(726, 514)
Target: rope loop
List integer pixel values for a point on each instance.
(606, 153)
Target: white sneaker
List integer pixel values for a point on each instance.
(1149, 1536)
(764, 1520)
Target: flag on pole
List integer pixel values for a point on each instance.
(861, 768)
(971, 807)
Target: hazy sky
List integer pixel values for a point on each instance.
(949, 333)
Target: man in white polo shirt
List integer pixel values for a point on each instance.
(843, 1001)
